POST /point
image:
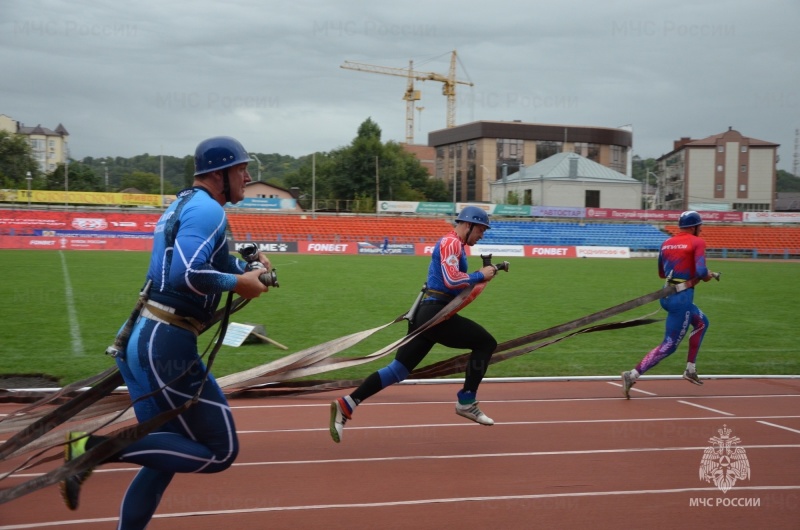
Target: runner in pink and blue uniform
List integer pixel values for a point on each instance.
(682, 258)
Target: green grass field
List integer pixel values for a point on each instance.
(63, 308)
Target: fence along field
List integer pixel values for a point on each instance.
(62, 309)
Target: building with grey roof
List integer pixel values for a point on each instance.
(568, 180)
(49, 146)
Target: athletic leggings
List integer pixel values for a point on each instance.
(681, 313)
(200, 440)
(455, 332)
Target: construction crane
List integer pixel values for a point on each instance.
(449, 83)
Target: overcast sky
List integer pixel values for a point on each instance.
(126, 78)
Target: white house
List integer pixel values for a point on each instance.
(568, 179)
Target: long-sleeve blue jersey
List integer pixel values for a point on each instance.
(190, 265)
(447, 272)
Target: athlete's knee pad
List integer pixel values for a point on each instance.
(394, 373)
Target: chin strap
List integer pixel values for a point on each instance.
(226, 185)
(469, 232)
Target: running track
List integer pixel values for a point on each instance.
(566, 454)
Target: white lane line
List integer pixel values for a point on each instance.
(588, 452)
(485, 401)
(72, 314)
(633, 389)
(778, 426)
(413, 502)
(706, 408)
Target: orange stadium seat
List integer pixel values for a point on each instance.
(274, 227)
(763, 239)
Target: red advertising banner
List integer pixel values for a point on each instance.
(26, 222)
(308, 247)
(550, 252)
(423, 249)
(75, 243)
(660, 216)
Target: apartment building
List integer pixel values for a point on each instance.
(726, 171)
(50, 147)
(471, 156)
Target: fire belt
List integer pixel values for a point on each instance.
(166, 315)
(433, 296)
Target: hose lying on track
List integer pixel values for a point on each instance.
(275, 378)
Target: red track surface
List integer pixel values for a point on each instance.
(562, 455)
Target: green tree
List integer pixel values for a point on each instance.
(786, 182)
(354, 173)
(74, 177)
(188, 172)
(16, 160)
(142, 181)
(310, 178)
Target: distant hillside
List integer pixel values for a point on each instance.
(178, 171)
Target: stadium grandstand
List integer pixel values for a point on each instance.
(21, 228)
(723, 240)
(336, 229)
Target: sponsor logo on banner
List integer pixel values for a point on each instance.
(365, 247)
(422, 249)
(771, 217)
(42, 242)
(552, 252)
(268, 247)
(498, 250)
(549, 211)
(326, 248)
(603, 252)
(88, 223)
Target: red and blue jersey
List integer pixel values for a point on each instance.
(683, 257)
(447, 272)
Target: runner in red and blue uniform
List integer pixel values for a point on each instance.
(190, 269)
(447, 275)
(681, 258)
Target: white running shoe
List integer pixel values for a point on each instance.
(472, 412)
(692, 377)
(627, 382)
(339, 416)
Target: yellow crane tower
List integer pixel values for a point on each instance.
(449, 83)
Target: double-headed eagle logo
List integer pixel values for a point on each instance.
(724, 462)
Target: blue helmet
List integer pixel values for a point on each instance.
(220, 152)
(473, 214)
(689, 219)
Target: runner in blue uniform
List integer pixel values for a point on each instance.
(447, 275)
(682, 257)
(190, 269)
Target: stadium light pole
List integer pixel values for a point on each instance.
(377, 188)
(259, 165)
(29, 178)
(314, 185)
(105, 167)
(66, 179)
